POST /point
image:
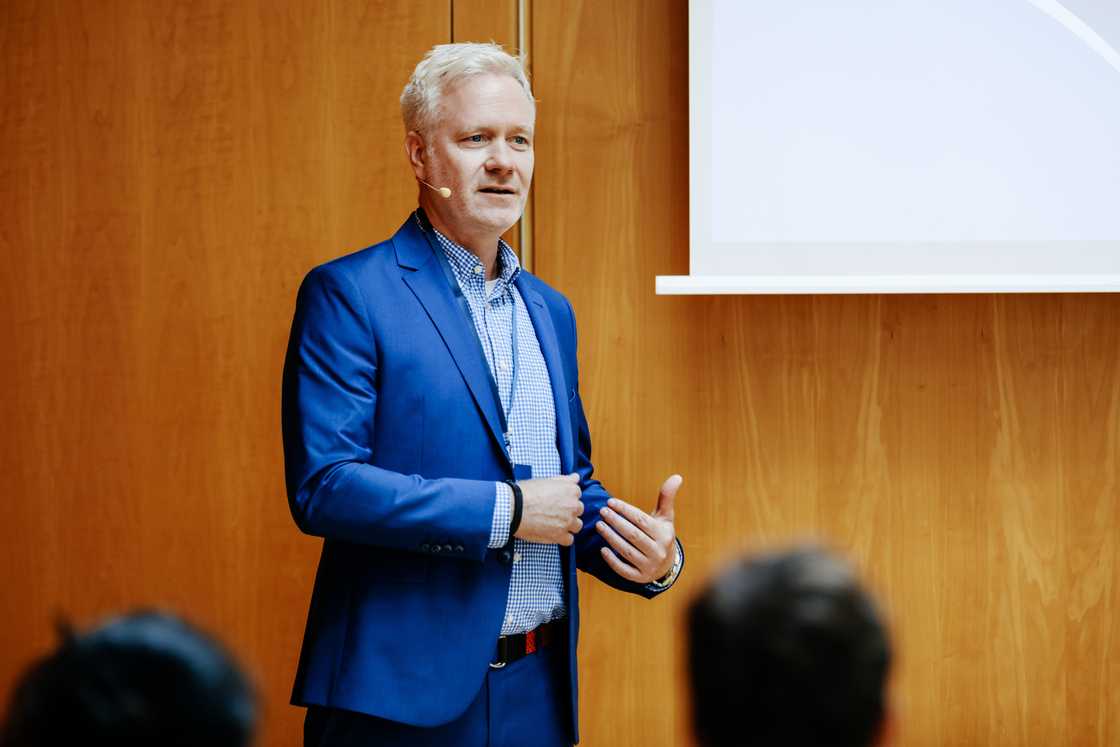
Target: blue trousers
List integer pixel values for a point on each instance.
(523, 704)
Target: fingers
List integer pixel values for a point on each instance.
(575, 524)
(667, 497)
(634, 525)
(642, 553)
(636, 516)
(625, 550)
(551, 509)
(638, 541)
(626, 571)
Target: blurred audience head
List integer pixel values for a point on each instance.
(787, 649)
(143, 679)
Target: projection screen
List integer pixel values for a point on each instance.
(906, 146)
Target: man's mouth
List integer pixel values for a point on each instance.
(498, 190)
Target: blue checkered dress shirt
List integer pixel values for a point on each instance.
(536, 589)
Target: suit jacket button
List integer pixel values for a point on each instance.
(505, 556)
(447, 548)
(425, 547)
(436, 548)
(459, 548)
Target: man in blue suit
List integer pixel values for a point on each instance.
(435, 437)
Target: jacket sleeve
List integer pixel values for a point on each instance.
(589, 542)
(328, 405)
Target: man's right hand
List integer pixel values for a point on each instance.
(550, 510)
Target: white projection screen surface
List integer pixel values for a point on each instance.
(905, 146)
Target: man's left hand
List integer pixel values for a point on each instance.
(642, 546)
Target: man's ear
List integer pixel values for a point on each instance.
(414, 148)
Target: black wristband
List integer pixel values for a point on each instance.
(518, 505)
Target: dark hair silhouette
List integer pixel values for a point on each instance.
(786, 649)
(146, 678)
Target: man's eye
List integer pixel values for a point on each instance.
(521, 140)
(475, 138)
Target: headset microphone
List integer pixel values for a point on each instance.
(444, 192)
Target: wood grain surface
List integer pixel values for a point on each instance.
(490, 21)
(168, 173)
(962, 450)
(485, 21)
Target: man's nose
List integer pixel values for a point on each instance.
(500, 158)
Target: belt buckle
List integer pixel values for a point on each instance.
(503, 653)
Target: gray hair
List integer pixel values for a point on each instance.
(447, 64)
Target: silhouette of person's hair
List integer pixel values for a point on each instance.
(787, 649)
(146, 678)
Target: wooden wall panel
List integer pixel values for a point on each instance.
(491, 21)
(169, 172)
(611, 210)
(962, 450)
(485, 21)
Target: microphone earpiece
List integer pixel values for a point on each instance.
(444, 192)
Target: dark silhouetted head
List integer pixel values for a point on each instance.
(787, 649)
(143, 679)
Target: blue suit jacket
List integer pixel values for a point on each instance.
(392, 445)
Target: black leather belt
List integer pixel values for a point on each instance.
(513, 647)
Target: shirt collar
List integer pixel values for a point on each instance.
(465, 264)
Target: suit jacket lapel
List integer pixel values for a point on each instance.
(550, 349)
(427, 281)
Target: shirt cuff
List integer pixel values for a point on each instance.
(670, 578)
(503, 515)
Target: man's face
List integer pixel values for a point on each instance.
(481, 147)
